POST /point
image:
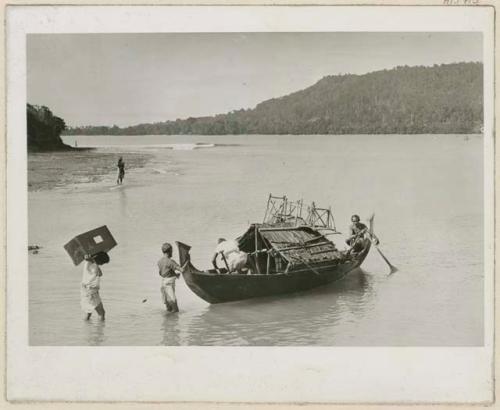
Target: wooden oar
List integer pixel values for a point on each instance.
(392, 267)
(225, 261)
(375, 243)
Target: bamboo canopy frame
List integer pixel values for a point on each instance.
(321, 217)
(280, 210)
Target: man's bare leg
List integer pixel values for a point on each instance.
(100, 311)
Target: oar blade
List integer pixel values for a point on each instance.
(391, 266)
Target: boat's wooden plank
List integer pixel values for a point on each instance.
(295, 237)
(312, 245)
(282, 228)
(322, 251)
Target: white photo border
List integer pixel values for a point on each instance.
(234, 374)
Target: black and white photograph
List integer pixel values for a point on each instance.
(216, 188)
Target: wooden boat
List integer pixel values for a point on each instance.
(286, 254)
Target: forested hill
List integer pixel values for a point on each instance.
(444, 98)
(44, 130)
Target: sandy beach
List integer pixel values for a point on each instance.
(63, 169)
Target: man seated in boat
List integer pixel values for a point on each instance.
(357, 232)
(235, 261)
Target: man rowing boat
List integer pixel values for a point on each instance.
(358, 230)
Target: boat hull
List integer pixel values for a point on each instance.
(220, 288)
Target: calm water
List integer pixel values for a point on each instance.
(426, 192)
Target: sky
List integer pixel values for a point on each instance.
(127, 79)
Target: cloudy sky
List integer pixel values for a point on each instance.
(126, 79)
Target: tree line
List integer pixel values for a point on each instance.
(446, 98)
(44, 129)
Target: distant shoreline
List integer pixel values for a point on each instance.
(68, 148)
(264, 135)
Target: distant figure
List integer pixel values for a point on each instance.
(169, 270)
(234, 259)
(76, 144)
(121, 171)
(91, 280)
(357, 232)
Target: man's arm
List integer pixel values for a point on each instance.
(160, 269)
(214, 260)
(373, 238)
(355, 234)
(352, 233)
(177, 269)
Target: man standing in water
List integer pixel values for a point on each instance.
(91, 281)
(121, 171)
(169, 270)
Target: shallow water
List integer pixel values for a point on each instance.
(426, 192)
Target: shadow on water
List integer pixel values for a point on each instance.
(305, 318)
(94, 331)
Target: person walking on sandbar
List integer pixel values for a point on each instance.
(169, 270)
(91, 282)
(121, 171)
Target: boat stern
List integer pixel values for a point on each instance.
(184, 256)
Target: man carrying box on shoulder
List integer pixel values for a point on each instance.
(91, 283)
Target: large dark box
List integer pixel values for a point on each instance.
(91, 242)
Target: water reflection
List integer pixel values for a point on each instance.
(94, 331)
(124, 211)
(171, 330)
(305, 318)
